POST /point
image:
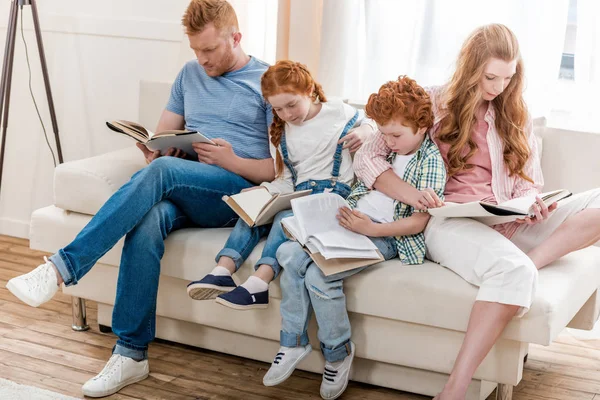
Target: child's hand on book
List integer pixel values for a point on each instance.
(423, 199)
(355, 221)
(540, 210)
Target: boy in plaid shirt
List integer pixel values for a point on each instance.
(403, 113)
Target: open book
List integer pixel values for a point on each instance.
(258, 207)
(332, 247)
(162, 140)
(492, 214)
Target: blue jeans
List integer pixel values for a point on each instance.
(167, 195)
(303, 284)
(244, 239)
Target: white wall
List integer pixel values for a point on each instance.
(97, 53)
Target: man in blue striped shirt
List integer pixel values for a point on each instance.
(219, 95)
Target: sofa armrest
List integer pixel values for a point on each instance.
(84, 185)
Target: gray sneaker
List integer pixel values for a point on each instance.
(336, 375)
(284, 364)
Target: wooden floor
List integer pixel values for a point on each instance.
(38, 348)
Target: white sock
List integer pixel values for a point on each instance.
(220, 271)
(255, 284)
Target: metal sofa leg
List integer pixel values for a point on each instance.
(504, 392)
(79, 316)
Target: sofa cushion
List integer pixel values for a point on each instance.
(85, 185)
(425, 294)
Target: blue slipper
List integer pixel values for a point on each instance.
(241, 299)
(210, 287)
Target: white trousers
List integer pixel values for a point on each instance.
(497, 265)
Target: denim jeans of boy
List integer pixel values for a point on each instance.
(243, 239)
(303, 284)
(167, 195)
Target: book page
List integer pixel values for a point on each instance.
(128, 131)
(453, 210)
(316, 215)
(338, 252)
(291, 225)
(280, 202)
(252, 201)
(524, 204)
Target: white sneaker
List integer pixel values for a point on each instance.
(119, 372)
(36, 287)
(336, 375)
(285, 363)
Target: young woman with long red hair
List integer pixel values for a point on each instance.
(485, 135)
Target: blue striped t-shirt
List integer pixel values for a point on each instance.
(230, 106)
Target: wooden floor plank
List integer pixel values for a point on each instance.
(38, 347)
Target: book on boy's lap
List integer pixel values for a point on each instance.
(258, 207)
(180, 139)
(331, 246)
(492, 214)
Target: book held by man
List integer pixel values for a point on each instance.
(332, 247)
(258, 207)
(179, 139)
(492, 214)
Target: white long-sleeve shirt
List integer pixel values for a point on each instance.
(311, 147)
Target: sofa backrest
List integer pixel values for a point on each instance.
(570, 160)
(153, 100)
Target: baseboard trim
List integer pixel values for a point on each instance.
(15, 228)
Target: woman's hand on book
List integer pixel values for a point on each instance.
(355, 221)
(221, 155)
(540, 210)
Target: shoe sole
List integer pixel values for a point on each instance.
(229, 304)
(289, 373)
(105, 393)
(341, 392)
(21, 296)
(205, 291)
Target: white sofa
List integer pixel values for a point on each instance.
(407, 332)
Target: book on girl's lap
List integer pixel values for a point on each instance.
(332, 247)
(258, 207)
(492, 214)
(180, 139)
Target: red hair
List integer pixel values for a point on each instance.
(287, 77)
(402, 99)
(203, 12)
(462, 96)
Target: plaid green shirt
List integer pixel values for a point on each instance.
(425, 170)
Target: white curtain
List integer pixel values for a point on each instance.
(258, 25)
(587, 58)
(367, 42)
